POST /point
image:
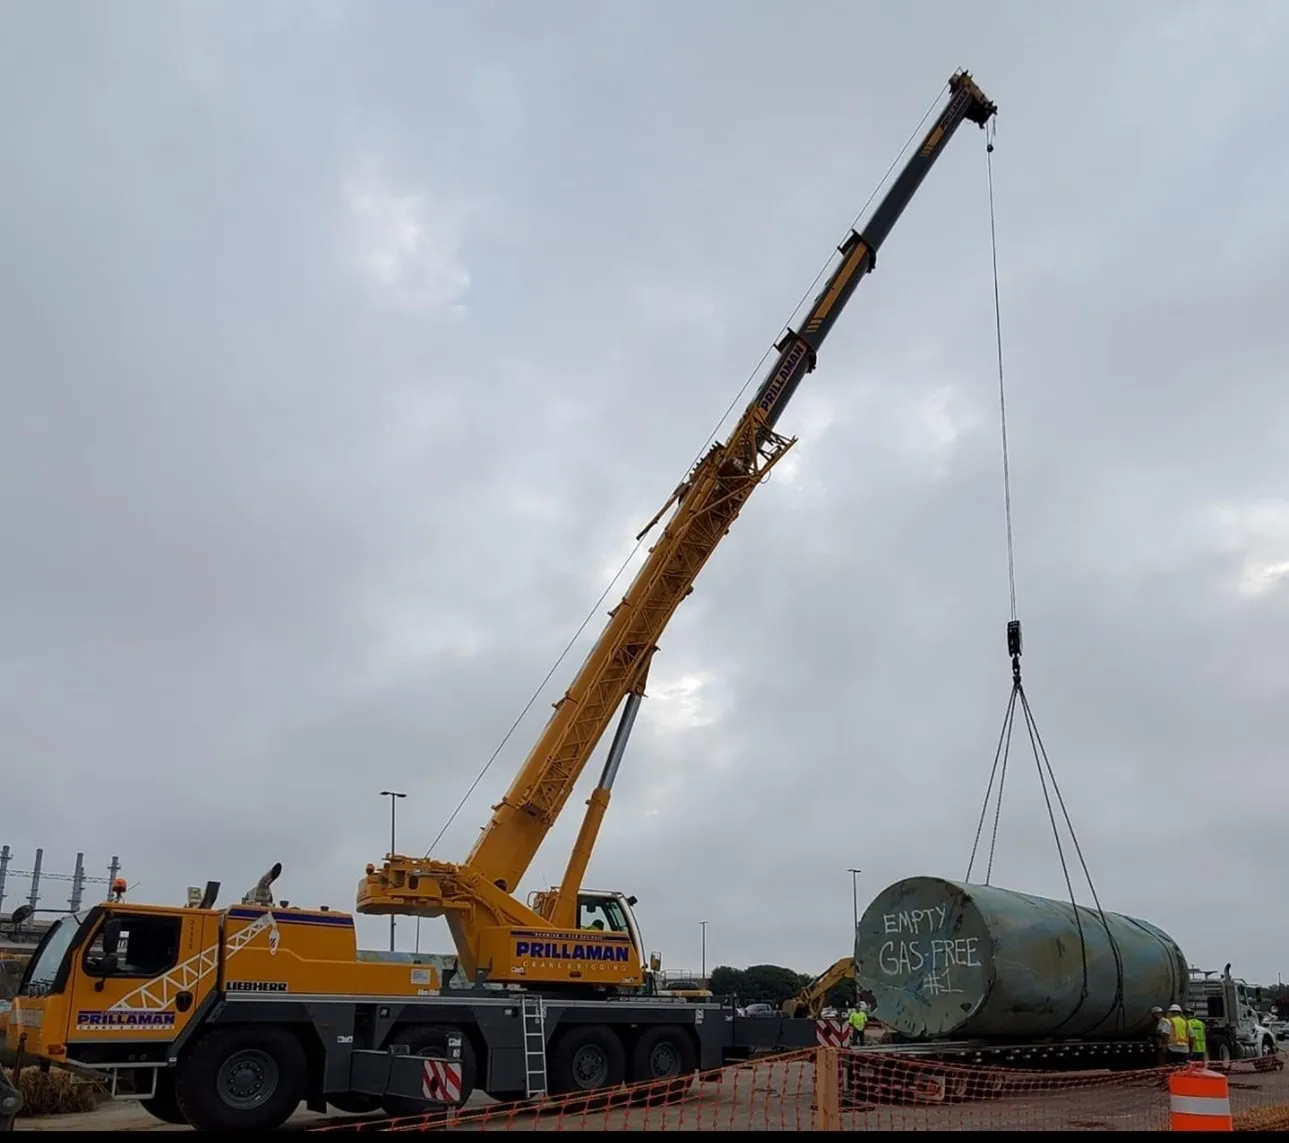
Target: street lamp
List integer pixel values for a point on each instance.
(854, 893)
(702, 926)
(393, 796)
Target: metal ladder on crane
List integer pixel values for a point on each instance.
(532, 1010)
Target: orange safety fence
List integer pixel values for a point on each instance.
(893, 1091)
(841, 1089)
(774, 1093)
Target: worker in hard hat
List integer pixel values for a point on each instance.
(1163, 1029)
(858, 1021)
(1179, 1037)
(1198, 1037)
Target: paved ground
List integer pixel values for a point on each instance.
(779, 1096)
(126, 1116)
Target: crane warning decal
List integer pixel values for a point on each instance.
(831, 1033)
(441, 1081)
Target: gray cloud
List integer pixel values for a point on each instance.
(345, 348)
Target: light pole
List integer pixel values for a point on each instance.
(702, 927)
(393, 796)
(854, 893)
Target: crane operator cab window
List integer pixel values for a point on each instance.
(148, 946)
(604, 913)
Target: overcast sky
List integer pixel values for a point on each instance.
(345, 347)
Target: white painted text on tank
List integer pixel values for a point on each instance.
(902, 958)
(915, 921)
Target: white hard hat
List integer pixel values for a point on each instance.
(1174, 1008)
(863, 1005)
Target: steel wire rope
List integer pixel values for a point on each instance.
(697, 457)
(1042, 761)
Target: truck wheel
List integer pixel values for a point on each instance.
(431, 1042)
(663, 1053)
(587, 1059)
(1219, 1050)
(165, 1104)
(249, 1078)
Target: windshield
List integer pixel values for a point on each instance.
(44, 966)
(603, 913)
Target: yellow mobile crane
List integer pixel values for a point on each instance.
(227, 1018)
(550, 941)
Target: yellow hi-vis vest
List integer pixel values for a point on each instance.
(858, 1019)
(1198, 1041)
(1180, 1038)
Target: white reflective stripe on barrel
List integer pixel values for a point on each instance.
(1200, 1105)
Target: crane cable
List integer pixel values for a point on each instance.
(1046, 775)
(752, 376)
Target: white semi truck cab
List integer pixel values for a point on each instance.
(1229, 1009)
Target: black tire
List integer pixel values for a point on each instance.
(248, 1078)
(589, 1058)
(1268, 1046)
(1220, 1050)
(354, 1102)
(662, 1053)
(431, 1042)
(165, 1104)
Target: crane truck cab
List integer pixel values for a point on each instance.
(226, 1019)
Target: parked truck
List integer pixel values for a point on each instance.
(1228, 1007)
(226, 1019)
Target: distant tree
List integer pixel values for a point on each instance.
(1277, 994)
(772, 984)
(758, 984)
(726, 981)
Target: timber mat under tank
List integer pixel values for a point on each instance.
(950, 960)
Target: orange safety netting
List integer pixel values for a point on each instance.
(769, 1094)
(840, 1089)
(901, 1093)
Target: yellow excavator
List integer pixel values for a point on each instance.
(569, 936)
(811, 1000)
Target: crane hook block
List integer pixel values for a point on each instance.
(1013, 638)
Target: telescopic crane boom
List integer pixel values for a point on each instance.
(547, 940)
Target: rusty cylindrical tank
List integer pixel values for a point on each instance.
(948, 960)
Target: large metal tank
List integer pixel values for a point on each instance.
(948, 960)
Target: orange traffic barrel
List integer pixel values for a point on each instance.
(1199, 1100)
